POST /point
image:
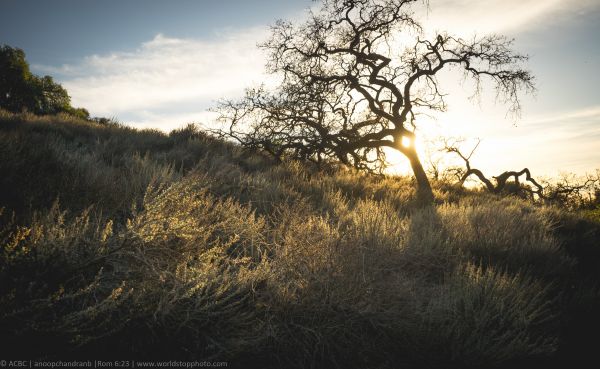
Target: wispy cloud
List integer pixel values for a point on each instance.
(182, 77)
(167, 121)
(165, 75)
(466, 17)
(567, 141)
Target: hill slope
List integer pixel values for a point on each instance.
(120, 243)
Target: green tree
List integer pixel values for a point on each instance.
(21, 90)
(48, 97)
(15, 87)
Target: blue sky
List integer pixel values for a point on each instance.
(163, 63)
(63, 31)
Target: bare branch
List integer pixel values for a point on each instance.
(348, 92)
(566, 191)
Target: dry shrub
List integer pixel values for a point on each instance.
(183, 246)
(481, 317)
(507, 233)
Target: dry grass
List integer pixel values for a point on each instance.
(173, 246)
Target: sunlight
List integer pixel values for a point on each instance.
(431, 131)
(466, 120)
(398, 163)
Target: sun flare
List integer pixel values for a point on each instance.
(406, 142)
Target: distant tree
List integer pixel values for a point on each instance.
(49, 97)
(79, 113)
(21, 90)
(355, 77)
(15, 80)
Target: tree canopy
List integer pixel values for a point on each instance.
(22, 90)
(355, 76)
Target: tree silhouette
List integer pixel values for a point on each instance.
(354, 78)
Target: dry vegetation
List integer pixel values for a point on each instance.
(126, 243)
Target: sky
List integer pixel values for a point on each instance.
(162, 64)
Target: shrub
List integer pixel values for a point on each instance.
(182, 246)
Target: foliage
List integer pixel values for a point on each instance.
(21, 90)
(146, 245)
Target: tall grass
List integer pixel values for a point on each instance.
(120, 242)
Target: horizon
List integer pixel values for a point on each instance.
(163, 65)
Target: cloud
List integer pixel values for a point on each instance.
(172, 120)
(175, 77)
(548, 144)
(165, 75)
(587, 114)
(464, 17)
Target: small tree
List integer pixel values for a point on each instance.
(355, 77)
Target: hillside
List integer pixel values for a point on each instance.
(119, 243)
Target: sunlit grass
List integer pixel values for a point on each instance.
(153, 245)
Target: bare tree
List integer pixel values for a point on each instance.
(502, 181)
(567, 191)
(355, 77)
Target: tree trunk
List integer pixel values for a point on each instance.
(424, 192)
